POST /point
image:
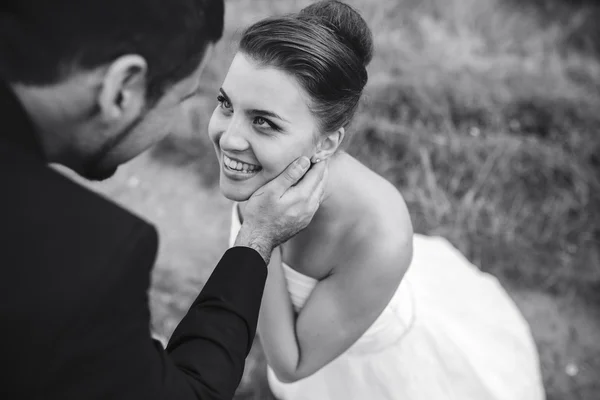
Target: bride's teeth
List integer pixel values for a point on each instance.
(239, 166)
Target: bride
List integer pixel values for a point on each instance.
(356, 306)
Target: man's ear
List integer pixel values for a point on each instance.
(328, 145)
(122, 97)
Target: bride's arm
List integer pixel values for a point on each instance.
(277, 318)
(339, 310)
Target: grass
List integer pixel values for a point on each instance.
(484, 113)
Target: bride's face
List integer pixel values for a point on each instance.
(261, 124)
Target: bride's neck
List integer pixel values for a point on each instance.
(334, 190)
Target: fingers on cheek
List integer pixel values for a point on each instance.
(318, 194)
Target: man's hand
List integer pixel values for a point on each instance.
(283, 207)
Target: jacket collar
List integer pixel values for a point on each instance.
(17, 127)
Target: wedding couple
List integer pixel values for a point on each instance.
(349, 303)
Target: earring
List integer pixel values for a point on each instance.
(317, 160)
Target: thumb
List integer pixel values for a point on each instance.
(291, 175)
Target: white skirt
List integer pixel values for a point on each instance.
(461, 338)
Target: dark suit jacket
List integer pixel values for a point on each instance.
(74, 274)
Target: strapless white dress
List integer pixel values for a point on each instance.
(450, 332)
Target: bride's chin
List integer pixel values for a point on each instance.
(234, 195)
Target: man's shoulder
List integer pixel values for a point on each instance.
(48, 217)
(45, 194)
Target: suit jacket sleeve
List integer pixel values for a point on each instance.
(112, 356)
(212, 341)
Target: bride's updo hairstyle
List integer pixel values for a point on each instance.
(326, 47)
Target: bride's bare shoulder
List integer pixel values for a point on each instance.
(382, 205)
(381, 219)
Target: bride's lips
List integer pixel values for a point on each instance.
(238, 170)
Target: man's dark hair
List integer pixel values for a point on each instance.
(43, 41)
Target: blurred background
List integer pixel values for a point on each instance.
(486, 116)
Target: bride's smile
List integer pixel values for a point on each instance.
(238, 170)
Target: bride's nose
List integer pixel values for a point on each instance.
(234, 137)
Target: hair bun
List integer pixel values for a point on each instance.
(347, 24)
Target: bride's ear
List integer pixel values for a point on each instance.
(328, 145)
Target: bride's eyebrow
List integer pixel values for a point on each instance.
(224, 94)
(266, 114)
(256, 111)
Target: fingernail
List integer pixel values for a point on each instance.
(304, 162)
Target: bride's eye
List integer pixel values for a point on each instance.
(264, 123)
(223, 102)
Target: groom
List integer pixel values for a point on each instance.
(89, 85)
